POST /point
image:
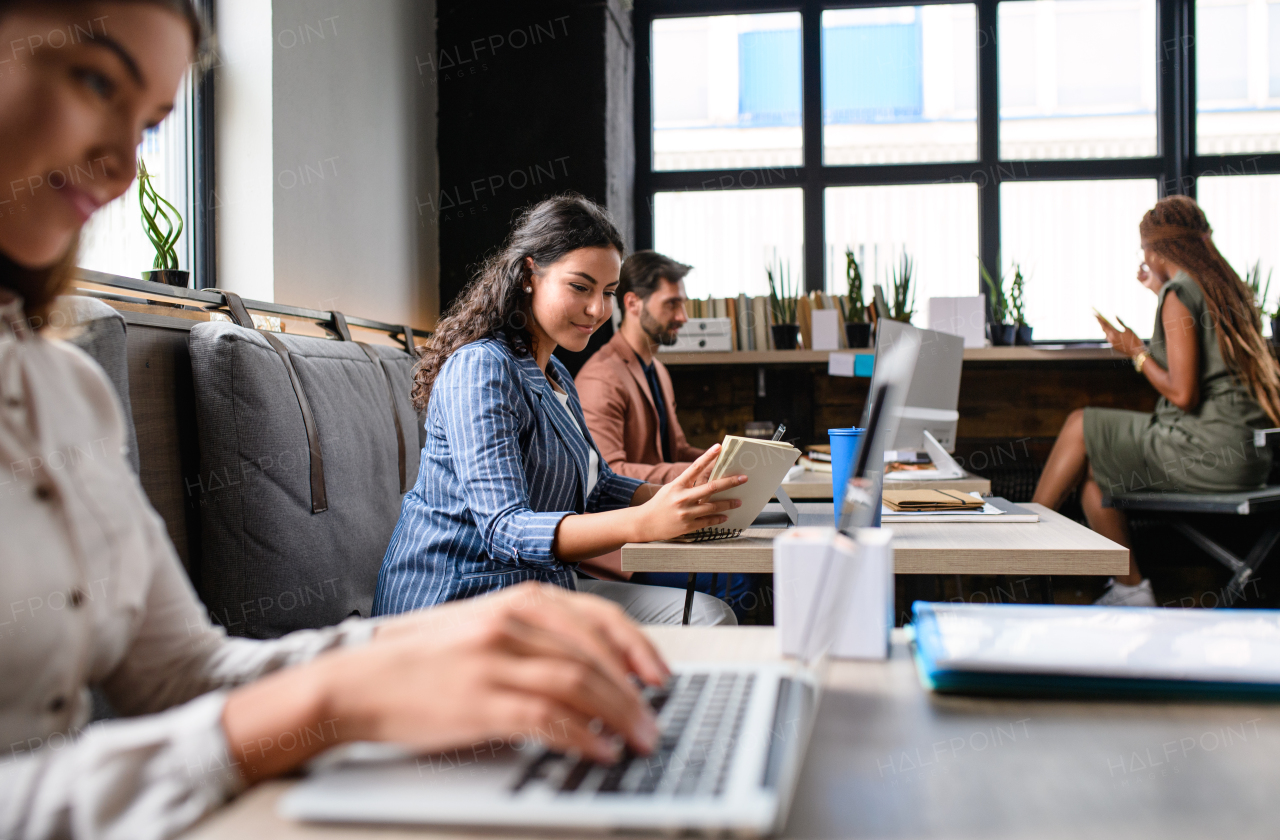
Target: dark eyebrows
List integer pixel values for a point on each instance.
(121, 53)
(586, 276)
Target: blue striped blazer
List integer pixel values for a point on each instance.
(501, 467)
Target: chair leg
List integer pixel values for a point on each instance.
(1243, 569)
(1256, 557)
(1046, 588)
(688, 598)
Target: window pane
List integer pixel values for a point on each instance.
(1077, 79)
(935, 224)
(899, 84)
(114, 239)
(1077, 243)
(1244, 212)
(1237, 76)
(728, 237)
(726, 92)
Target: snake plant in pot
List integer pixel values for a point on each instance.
(782, 304)
(1262, 291)
(903, 306)
(163, 224)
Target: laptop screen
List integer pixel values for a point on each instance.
(889, 382)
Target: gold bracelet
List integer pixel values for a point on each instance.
(1140, 360)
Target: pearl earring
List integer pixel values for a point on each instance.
(529, 289)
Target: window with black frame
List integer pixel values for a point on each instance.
(178, 155)
(919, 151)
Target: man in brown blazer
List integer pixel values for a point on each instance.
(631, 411)
(625, 391)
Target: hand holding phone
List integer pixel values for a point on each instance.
(1102, 319)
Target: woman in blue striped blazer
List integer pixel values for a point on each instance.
(512, 488)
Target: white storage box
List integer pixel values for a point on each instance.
(703, 335)
(962, 316)
(862, 573)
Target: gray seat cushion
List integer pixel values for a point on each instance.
(100, 331)
(269, 565)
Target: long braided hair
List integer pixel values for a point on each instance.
(1176, 229)
(494, 304)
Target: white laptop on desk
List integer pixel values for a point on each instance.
(733, 739)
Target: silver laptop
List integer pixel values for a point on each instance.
(933, 392)
(733, 736)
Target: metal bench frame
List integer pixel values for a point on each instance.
(1247, 503)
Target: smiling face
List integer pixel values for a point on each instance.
(663, 314)
(84, 80)
(572, 298)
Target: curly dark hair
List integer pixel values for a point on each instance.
(1176, 229)
(494, 303)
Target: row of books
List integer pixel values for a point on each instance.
(751, 318)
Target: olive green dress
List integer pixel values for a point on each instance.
(1206, 450)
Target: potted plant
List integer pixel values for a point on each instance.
(163, 224)
(1261, 291)
(904, 297)
(782, 303)
(1002, 334)
(1021, 329)
(857, 328)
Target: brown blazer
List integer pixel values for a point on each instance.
(623, 419)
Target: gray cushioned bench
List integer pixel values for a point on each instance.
(224, 454)
(1184, 510)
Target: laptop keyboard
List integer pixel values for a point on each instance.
(700, 719)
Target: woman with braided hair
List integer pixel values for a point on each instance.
(1217, 379)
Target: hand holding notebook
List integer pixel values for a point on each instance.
(764, 462)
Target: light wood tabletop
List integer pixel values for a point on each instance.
(817, 485)
(1053, 546)
(888, 759)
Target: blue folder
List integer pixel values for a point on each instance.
(1098, 652)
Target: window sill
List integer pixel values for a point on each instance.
(816, 357)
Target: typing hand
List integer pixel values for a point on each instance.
(594, 622)
(534, 662)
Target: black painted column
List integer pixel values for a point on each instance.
(535, 100)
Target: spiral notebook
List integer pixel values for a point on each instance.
(765, 463)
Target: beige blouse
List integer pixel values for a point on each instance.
(93, 594)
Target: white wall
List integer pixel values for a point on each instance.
(244, 198)
(352, 140)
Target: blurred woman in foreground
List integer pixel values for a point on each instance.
(94, 594)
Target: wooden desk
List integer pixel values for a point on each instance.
(888, 759)
(816, 485)
(1053, 546)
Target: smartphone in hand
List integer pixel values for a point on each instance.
(1103, 319)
